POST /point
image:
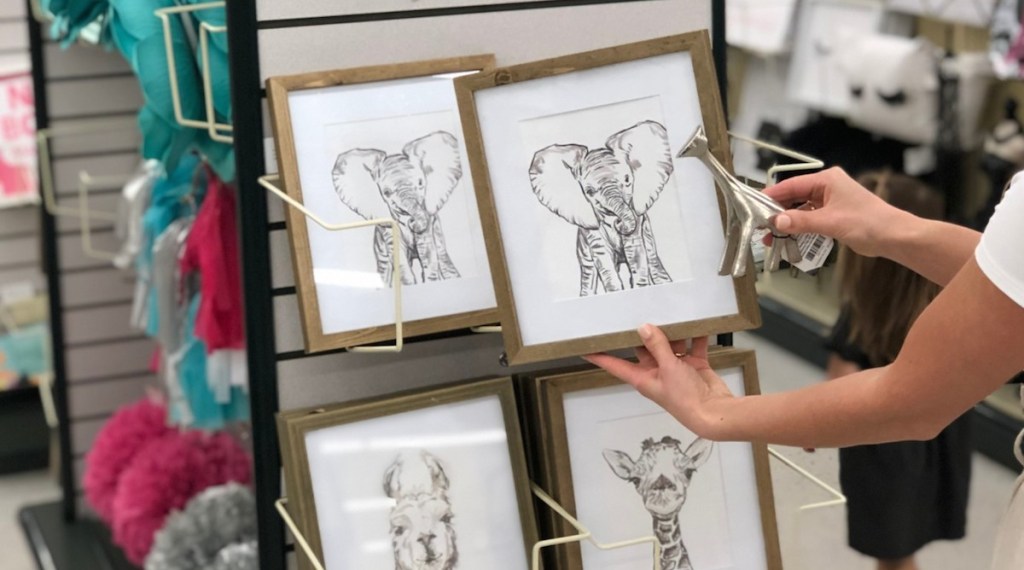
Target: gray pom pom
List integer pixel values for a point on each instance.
(241, 556)
(193, 538)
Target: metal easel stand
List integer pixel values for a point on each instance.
(210, 124)
(46, 177)
(85, 183)
(270, 181)
(583, 534)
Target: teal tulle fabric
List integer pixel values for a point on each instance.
(131, 27)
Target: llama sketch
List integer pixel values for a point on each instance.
(410, 188)
(607, 192)
(422, 535)
(661, 475)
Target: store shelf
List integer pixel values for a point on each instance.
(60, 545)
(24, 435)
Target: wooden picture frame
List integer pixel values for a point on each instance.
(535, 239)
(552, 458)
(338, 133)
(439, 427)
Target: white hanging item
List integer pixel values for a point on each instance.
(761, 26)
(976, 13)
(893, 85)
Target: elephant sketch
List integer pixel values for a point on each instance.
(409, 187)
(607, 192)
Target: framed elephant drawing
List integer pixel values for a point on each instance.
(430, 479)
(622, 466)
(593, 227)
(371, 143)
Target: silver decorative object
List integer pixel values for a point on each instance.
(747, 210)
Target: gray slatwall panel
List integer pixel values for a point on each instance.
(277, 10)
(24, 274)
(13, 36)
(19, 221)
(104, 398)
(281, 259)
(92, 97)
(77, 63)
(99, 324)
(108, 359)
(66, 171)
(10, 9)
(98, 202)
(19, 250)
(73, 257)
(92, 144)
(92, 287)
(511, 37)
(84, 434)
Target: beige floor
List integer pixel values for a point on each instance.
(16, 491)
(812, 540)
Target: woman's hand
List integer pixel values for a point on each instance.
(681, 382)
(833, 204)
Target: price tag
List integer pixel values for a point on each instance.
(815, 249)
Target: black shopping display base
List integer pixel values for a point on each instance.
(994, 432)
(24, 435)
(57, 544)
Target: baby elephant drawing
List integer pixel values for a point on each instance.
(661, 475)
(607, 192)
(422, 535)
(410, 188)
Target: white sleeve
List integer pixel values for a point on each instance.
(1001, 251)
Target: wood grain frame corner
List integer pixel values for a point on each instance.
(698, 44)
(295, 425)
(278, 90)
(550, 391)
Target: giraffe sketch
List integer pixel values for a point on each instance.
(661, 476)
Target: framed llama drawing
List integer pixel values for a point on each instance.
(372, 143)
(624, 466)
(426, 480)
(593, 226)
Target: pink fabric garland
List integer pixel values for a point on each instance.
(163, 476)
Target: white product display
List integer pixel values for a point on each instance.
(761, 26)
(824, 29)
(975, 74)
(893, 85)
(765, 113)
(971, 12)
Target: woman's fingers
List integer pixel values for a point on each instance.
(807, 188)
(700, 348)
(658, 345)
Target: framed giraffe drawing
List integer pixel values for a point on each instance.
(628, 469)
(427, 480)
(592, 225)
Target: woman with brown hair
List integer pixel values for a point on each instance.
(900, 495)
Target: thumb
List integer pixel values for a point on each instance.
(658, 345)
(800, 222)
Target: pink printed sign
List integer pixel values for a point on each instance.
(17, 138)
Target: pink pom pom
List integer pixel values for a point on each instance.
(127, 431)
(164, 476)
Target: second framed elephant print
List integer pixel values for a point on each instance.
(593, 226)
(381, 143)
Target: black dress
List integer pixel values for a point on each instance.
(903, 495)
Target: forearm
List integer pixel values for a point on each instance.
(854, 409)
(936, 250)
